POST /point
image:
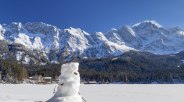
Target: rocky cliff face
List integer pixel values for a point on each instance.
(40, 43)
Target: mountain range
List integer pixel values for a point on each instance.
(41, 43)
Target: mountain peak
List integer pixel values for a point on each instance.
(76, 31)
(148, 22)
(127, 29)
(17, 25)
(48, 42)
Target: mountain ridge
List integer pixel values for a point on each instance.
(46, 43)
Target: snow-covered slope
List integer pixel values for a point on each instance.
(149, 36)
(37, 42)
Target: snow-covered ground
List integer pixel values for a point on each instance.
(96, 93)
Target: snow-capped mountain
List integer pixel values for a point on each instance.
(37, 42)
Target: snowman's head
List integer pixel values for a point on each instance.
(70, 67)
(69, 71)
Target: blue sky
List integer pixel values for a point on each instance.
(92, 15)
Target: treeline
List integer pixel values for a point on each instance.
(135, 67)
(131, 67)
(12, 72)
(159, 76)
(117, 75)
(48, 70)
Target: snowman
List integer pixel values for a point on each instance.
(69, 83)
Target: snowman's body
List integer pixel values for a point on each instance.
(69, 83)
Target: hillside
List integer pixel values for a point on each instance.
(131, 67)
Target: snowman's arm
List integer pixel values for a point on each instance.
(61, 84)
(75, 73)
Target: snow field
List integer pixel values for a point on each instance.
(96, 93)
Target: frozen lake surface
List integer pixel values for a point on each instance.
(96, 93)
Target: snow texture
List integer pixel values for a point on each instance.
(96, 93)
(69, 83)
